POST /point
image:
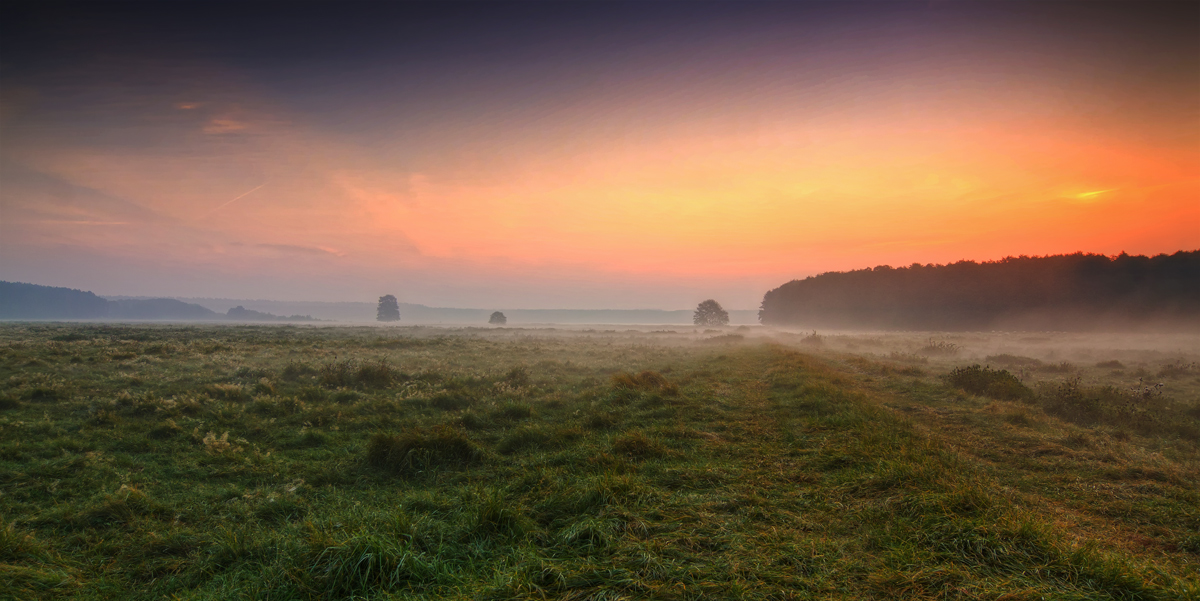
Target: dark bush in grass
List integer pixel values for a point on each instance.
(1114, 364)
(647, 381)
(422, 449)
(985, 381)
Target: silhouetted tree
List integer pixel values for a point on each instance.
(498, 319)
(710, 313)
(389, 309)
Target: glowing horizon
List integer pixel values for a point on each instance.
(628, 168)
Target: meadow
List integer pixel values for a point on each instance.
(303, 462)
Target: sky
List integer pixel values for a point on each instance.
(583, 155)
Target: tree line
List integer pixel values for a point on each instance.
(1059, 292)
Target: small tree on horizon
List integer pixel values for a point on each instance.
(710, 313)
(498, 319)
(389, 309)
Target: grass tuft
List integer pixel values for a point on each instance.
(420, 449)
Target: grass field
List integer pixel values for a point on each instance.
(277, 462)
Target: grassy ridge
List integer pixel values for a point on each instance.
(280, 462)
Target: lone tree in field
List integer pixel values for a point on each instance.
(497, 319)
(389, 309)
(710, 313)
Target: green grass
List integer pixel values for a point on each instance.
(277, 462)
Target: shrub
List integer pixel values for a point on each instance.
(1114, 364)
(420, 449)
(985, 381)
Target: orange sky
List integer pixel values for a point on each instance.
(720, 176)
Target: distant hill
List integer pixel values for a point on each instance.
(1077, 292)
(31, 301)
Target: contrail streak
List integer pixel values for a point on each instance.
(235, 198)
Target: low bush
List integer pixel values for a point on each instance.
(985, 381)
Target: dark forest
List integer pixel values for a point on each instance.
(1077, 292)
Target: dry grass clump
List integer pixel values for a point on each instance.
(421, 449)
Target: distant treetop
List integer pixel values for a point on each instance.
(498, 319)
(389, 309)
(710, 313)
